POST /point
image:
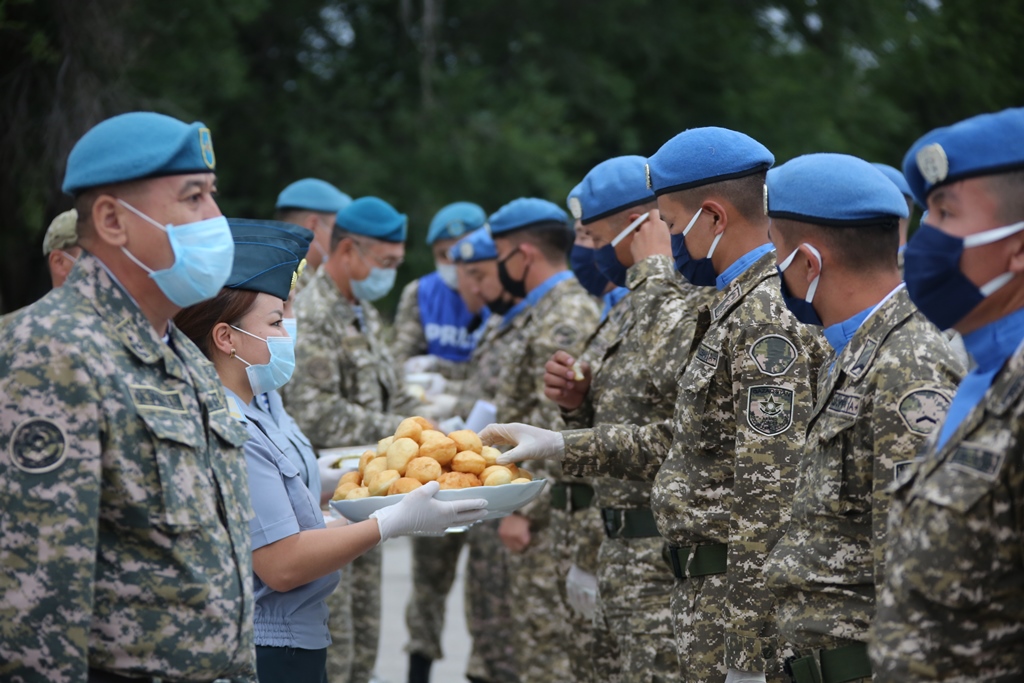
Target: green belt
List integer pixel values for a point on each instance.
(705, 560)
(841, 664)
(580, 495)
(634, 523)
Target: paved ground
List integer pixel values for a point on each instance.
(392, 660)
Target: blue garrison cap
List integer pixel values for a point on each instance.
(701, 156)
(455, 220)
(476, 246)
(832, 189)
(373, 217)
(988, 144)
(312, 194)
(525, 212)
(269, 255)
(613, 186)
(138, 145)
(893, 174)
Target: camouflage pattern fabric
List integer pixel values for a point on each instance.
(488, 613)
(366, 578)
(485, 367)
(952, 605)
(563, 319)
(433, 571)
(305, 277)
(635, 358)
(877, 403)
(124, 500)
(741, 414)
(346, 389)
(339, 623)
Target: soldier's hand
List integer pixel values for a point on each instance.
(531, 443)
(651, 238)
(514, 532)
(566, 382)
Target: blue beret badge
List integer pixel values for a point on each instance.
(933, 163)
(764, 198)
(466, 250)
(575, 208)
(206, 147)
(647, 172)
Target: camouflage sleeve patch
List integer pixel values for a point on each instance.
(565, 336)
(770, 409)
(319, 368)
(922, 410)
(38, 446)
(773, 354)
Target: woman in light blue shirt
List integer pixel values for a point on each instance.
(295, 555)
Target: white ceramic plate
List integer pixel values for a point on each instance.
(351, 454)
(501, 500)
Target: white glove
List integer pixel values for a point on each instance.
(439, 408)
(531, 443)
(419, 364)
(420, 513)
(329, 476)
(581, 588)
(737, 676)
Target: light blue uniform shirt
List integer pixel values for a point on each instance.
(611, 298)
(990, 347)
(741, 264)
(286, 435)
(282, 507)
(536, 295)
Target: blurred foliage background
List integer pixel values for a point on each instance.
(425, 102)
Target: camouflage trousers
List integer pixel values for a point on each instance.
(634, 640)
(433, 570)
(567, 529)
(488, 609)
(698, 619)
(361, 588)
(540, 617)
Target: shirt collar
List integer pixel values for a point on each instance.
(991, 345)
(741, 265)
(611, 298)
(536, 295)
(840, 334)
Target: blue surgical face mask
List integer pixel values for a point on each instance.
(203, 253)
(931, 266)
(291, 326)
(582, 260)
(377, 284)
(701, 271)
(801, 308)
(276, 373)
(448, 274)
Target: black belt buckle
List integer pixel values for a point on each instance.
(613, 520)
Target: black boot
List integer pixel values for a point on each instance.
(419, 668)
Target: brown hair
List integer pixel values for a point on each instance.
(198, 321)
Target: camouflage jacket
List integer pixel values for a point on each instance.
(952, 605)
(346, 389)
(484, 367)
(741, 414)
(636, 363)
(124, 500)
(886, 392)
(562, 319)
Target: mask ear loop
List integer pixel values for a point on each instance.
(689, 226)
(814, 283)
(988, 237)
(630, 228)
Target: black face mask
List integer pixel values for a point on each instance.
(517, 288)
(499, 306)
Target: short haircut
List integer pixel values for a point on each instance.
(1009, 190)
(337, 235)
(746, 194)
(290, 215)
(198, 321)
(554, 239)
(871, 247)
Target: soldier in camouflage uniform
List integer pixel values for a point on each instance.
(952, 606)
(123, 494)
(881, 392)
(346, 390)
(532, 237)
(631, 365)
(313, 204)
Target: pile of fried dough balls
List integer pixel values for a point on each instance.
(418, 453)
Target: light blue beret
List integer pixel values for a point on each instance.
(701, 156)
(312, 194)
(476, 246)
(525, 212)
(373, 217)
(455, 220)
(268, 255)
(987, 144)
(138, 145)
(893, 174)
(832, 189)
(613, 186)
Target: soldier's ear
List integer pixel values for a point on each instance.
(1017, 255)
(718, 213)
(109, 221)
(222, 339)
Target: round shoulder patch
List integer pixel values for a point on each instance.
(923, 410)
(773, 354)
(38, 446)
